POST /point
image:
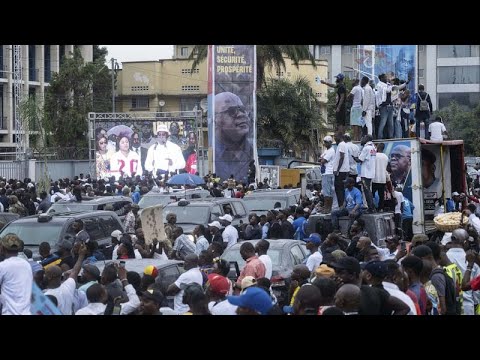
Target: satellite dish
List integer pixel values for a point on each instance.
(161, 103)
(204, 104)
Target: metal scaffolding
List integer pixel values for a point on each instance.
(18, 96)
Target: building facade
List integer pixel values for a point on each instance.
(39, 62)
(449, 72)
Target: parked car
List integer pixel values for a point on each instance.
(168, 271)
(196, 212)
(285, 254)
(261, 201)
(6, 217)
(92, 203)
(53, 227)
(163, 198)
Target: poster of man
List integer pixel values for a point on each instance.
(121, 149)
(272, 174)
(234, 79)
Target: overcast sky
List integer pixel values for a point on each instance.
(138, 52)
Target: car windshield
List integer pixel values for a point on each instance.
(147, 201)
(263, 203)
(67, 207)
(234, 255)
(34, 233)
(188, 214)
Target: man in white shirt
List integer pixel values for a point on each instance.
(315, 258)
(16, 278)
(230, 234)
(367, 170)
(437, 129)
(97, 299)
(397, 193)
(356, 109)
(341, 167)
(164, 156)
(368, 103)
(192, 274)
(393, 272)
(327, 174)
(380, 179)
(353, 152)
(261, 248)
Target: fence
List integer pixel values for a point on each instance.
(34, 169)
(14, 169)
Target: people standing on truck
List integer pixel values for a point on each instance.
(353, 151)
(340, 112)
(368, 104)
(356, 94)
(367, 169)
(327, 174)
(437, 129)
(341, 166)
(407, 219)
(352, 206)
(380, 179)
(398, 195)
(422, 112)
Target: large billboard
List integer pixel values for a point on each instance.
(233, 110)
(130, 148)
(396, 61)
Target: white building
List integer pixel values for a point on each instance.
(449, 72)
(38, 64)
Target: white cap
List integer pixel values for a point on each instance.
(215, 224)
(163, 128)
(328, 138)
(116, 234)
(455, 193)
(226, 217)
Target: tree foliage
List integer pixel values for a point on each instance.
(77, 89)
(288, 112)
(268, 57)
(462, 123)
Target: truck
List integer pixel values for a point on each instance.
(428, 173)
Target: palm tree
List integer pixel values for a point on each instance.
(268, 56)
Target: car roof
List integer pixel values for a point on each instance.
(272, 193)
(274, 243)
(63, 216)
(96, 200)
(207, 201)
(174, 192)
(139, 265)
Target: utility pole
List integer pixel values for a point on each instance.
(115, 67)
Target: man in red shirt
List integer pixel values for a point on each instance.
(253, 266)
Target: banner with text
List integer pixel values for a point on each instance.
(234, 111)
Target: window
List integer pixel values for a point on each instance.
(459, 75)
(32, 73)
(239, 209)
(92, 227)
(215, 213)
(190, 87)
(2, 69)
(454, 51)
(109, 224)
(466, 100)
(140, 102)
(325, 50)
(279, 73)
(190, 71)
(184, 52)
(349, 74)
(296, 254)
(139, 88)
(421, 73)
(61, 54)
(347, 49)
(421, 48)
(187, 104)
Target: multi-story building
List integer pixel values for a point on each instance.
(38, 64)
(449, 72)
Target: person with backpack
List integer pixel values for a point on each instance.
(424, 110)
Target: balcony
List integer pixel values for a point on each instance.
(3, 123)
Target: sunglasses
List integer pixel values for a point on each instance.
(234, 110)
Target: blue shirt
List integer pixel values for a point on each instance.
(352, 198)
(298, 222)
(408, 208)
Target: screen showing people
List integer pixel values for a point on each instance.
(159, 148)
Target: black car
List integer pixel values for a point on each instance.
(285, 254)
(91, 204)
(261, 201)
(52, 228)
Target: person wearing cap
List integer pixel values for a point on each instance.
(341, 166)
(233, 136)
(352, 205)
(196, 299)
(230, 234)
(164, 156)
(214, 228)
(328, 177)
(151, 302)
(217, 289)
(16, 278)
(90, 276)
(340, 112)
(254, 301)
(315, 258)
